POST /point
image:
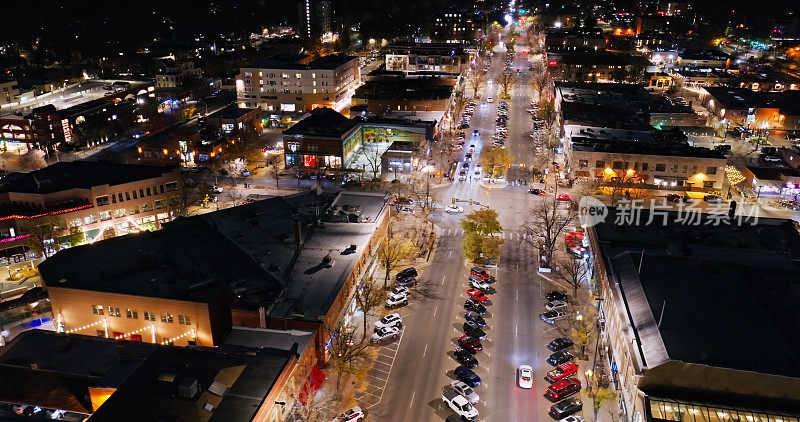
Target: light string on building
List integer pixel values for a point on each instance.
(734, 175)
(10, 217)
(122, 336)
(83, 327)
(190, 333)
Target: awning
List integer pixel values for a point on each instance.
(312, 384)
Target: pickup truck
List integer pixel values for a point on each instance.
(459, 404)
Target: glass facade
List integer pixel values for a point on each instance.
(676, 410)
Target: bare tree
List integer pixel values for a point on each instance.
(477, 80)
(235, 167)
(33, 159)
(581, 328)
(459, 104)
(505, 80)
(275, 166)
(545, 224)
(392, 251)
(419, 189)
(348, 352)
(304, 407)
(572, 272)
(41, 231)
(373, 157)
(540, 80)
(368, 296)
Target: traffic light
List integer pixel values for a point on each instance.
(454, 200)
(470, 202)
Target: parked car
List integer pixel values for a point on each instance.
(354, 414)
(563, 197)
(551, 317)
(713, 199)
(566, 407)
(386, 333)
(408, 281)
(454, 209)
(525, 376)
(560, 343)
(477, 295)
(473, 306)
(555, 304)
(478, 271)
(478, 283)
(400, 290)
(674, 197)
(465, 391)
(559, 357)
(459, 404)
(395, 300)
(555, 295)
(565, 370)
(408, 272)
(473, 330)
(474, 317)
(391, 320)
(539, 192)
(560, 390)
(470, 344)
(468, 376)
(465, 358)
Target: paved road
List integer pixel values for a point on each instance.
(424, 362)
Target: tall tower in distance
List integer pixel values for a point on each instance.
(314, 19)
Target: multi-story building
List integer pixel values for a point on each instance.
(314, 19)
(85, 201)
(9, 92)
(671, 293)
(388, 91)
(601, 66)
(574, 39)
(326, 141)
(414, 57)
(243, 266)
(603, 104)
(171, 73)
(757, 110)
(706, 58)
(456, 27)
(655, 158)
(298, 83)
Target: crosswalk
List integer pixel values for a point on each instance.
(506, 234)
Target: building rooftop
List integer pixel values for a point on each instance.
(303, 62)
(653, 142)
(322, 121)
(265, 338)
(603, 58)
(705, 54)
(788, 102)
(63, 176)
(187, 260)
(603, 94)
(230, 112)
(447, 49)
(180, 384)
(411, 89)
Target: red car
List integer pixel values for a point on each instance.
(477, 295)
(565, 370)
(470, 343)
(562, 389)
(480, 272)
(563, 197)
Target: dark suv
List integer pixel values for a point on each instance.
(559, 357)
(408, 272)
(465, 358)
(565, 408)
(465, 374)
(560, 343)
(474, 317)
(471, 329)
(471, 305)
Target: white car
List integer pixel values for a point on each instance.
(555, 304)
(216, 189)
(465, 391)
(386, 333)
(454, 209)
(478, 283)
(395, 300)
(490, 100)
(525, 376)
(572, 418)
(772, 159)
(478, 170)
(351, 415)
(391, 320)
(400, 290)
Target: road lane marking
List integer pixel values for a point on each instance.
(516, 327)
(434, 310)
(517, 294)
(443, 277)
(412, 399)
(424, 352)
(450, 254)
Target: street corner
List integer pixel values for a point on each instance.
(493, 185)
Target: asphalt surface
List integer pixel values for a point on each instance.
(424, 362)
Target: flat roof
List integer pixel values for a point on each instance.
(708, 281)
(323, 121)
(653, 142)
(302, 62)
(266, 338)
(186, 260)
(788, 102)
(79, 175)
(183, 384)
(232, 111)
(603, 94)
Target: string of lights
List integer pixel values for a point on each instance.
(190, 333)
(83, 327)
(122, 336)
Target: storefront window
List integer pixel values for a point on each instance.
(292, 159)
(310, 161)
(333, 161)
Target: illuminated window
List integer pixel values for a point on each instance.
(166, 318)
(131, 314)
(310, 161)
(114, 312)
(97, 309)
(149, 316)
(184, 319)
(101, 200)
